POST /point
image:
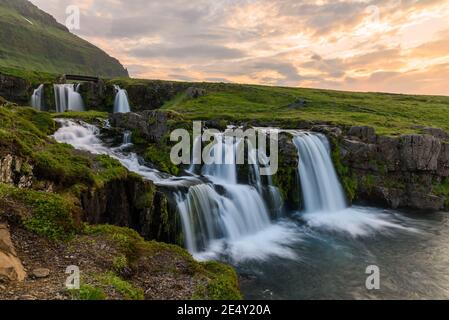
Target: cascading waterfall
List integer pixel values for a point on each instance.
(223, 209)
(37, 98)
(321, 188)
(325, 206)
(67, 98)
(121, 103)
(218, 215)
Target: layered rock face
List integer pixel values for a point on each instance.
(399, 172)
(15, 89)
(136, 204)
(13, 170)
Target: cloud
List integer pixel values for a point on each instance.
(370, 45)
(187, 52)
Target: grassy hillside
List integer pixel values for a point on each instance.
(388, 113)
(31, 39)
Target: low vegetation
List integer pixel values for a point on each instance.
(390, 114)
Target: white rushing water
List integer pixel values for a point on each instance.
(219, 217)
(121, 103)
(324, 200)
(37, 98)
(67, 98)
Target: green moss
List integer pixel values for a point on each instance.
(126, 289)
(58, 163)
(120, 263)
(24, 129)
(286, 179)
(110, 170)
(347, 178)
(160, 157)
(51, 214)
(88, 292)
(222, 285)
(125, 238)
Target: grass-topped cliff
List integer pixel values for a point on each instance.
(33, 40)
(49, 192)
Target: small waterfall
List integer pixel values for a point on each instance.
(37, 98)
(127, 138)
(321, 188)
(67, 98)
(121, 103)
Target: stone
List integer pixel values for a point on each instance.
(194, 93)
(299, 103)
(437, 133)
(41, 273)
(364, 133)
(419, 152)
(11, 268)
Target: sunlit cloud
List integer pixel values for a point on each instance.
(367, 45)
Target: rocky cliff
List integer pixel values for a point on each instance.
(408, 171)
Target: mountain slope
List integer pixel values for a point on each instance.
(32, 39)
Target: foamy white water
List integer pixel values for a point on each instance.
(67, 98)
(324, 200)
(121, 103)
(37, 98)
(226, 213)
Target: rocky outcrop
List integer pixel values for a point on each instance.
(399, 172)
(136, 204)
(150, 125)
(11, 268)
(15, 89)
(13, 170)
(151, 95)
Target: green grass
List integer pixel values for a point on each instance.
(50, 213)
(389, 114)
(46, 46)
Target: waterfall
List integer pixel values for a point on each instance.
(127, 138)
(218, 215)
(321, 188)
(67, 98)
(37, 98)
(222, 209)
(121, 103)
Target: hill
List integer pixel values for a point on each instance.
(33, 40)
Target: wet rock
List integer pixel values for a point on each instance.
(11, 268)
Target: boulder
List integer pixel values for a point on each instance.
(41, 273)
(11, 268)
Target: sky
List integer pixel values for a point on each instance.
(397, 46)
